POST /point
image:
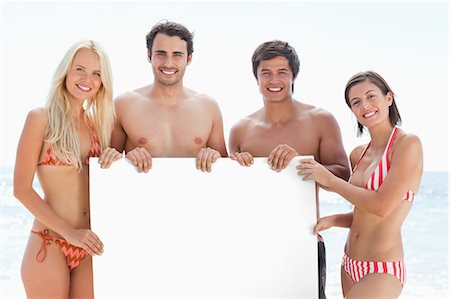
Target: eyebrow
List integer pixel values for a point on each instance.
(370, 90)
(278, 70)
(165, 52)
(79, 65)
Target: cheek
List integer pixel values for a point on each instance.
(97, 84)
(261, 82)
(354, 110)
(69, 82)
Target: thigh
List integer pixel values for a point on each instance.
(49, 278)
(376, 285)
(81, 280)
(346, 281)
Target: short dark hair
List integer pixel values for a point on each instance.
(272, 49)
(171, 29)
(375, 78)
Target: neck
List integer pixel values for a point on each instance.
(168, 94)
(380, 134)
(279, 112)
(76, 109)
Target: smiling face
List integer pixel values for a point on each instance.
(169, 59)
(275, 79)
(84, 78)
(369, 104)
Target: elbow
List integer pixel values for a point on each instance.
(344, 172)
(19, 192)
(383, 211)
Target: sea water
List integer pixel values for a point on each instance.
(425, 239)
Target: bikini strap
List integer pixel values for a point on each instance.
(46, 240)
(360, 157)
(388, 148)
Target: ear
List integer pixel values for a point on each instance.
(189, 59)
(293, 80)
(390, 98)
(149, 56)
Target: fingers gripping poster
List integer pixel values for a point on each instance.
(177, 232)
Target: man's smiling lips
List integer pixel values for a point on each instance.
(168, 72)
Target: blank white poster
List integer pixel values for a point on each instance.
(176, 232)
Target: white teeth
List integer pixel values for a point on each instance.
(274, 89)
(369, 114)
(84, 88)
(168, 72)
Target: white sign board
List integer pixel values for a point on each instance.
(176, 232)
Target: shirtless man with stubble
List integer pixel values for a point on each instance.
(285, 128)
(166, 119)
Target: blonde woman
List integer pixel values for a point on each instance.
(56, 144)
(386, 175)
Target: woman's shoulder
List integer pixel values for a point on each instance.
(406, 142)
(356, 154)
(37, 117)
(409, 138)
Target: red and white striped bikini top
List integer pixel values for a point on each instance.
(382, 169)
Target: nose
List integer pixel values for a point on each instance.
(273, 78)
(168, 62)
(89, 77)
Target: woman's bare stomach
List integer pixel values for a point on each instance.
(66, 192)
(374, 244)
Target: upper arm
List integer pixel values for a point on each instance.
(234, 141)
(29, 148)
(331, 149)
(216, 138)
(118, 135)
(406, 167)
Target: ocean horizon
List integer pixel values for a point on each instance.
(425, 239)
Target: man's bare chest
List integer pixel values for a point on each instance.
(261, 142)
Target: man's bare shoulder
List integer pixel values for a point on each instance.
(315, 113)
(200, 97)
(131, 96)
(248, 122)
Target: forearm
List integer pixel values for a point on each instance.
(360, 197)
(342, 220)
(42, 211)
(341, 171)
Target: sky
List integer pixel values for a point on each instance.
(406, 42)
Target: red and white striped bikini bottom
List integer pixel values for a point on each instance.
(358, 269)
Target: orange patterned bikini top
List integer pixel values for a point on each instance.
(94, 151)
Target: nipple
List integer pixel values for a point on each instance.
(142, 140)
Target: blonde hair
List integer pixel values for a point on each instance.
(61, 133)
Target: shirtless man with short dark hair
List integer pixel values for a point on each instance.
(284, 127)
(166, 119)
